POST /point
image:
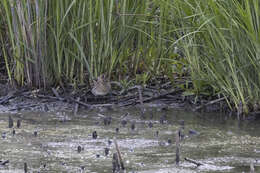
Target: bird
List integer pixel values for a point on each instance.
(101, 86)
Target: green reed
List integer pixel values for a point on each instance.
(223, 54)
(77, 40)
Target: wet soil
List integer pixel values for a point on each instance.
(163, 94)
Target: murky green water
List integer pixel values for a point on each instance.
(222, 144)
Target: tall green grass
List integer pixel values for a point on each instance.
(77, 40)
(223, 54)
(215, 43)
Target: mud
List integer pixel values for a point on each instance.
(64, 141)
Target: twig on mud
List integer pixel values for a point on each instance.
(193, 161)
(12, 95)
(102, 105)
(124, 116)
(50, 97)
(70, 99)
(151, 90)
(19, 107)
(89, 105)
(174, 91)
(127, 98)
(101, 115)
(5, 99)
(79, 102)
(76, 108)
(65, 99)
(56, 94)
(140, 95)
(4, 162)
(209, 103)
(165, 85)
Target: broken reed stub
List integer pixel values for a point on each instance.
(79, 149)
(115, 163)
(120, 160)
(140, 91)
(18, 124)
(133, 126)
(25, 167)
(177, 136)
(94, 135)
(10, 122)
(252, 168)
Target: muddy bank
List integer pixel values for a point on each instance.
(71, 99)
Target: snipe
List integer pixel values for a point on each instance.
(101, 87)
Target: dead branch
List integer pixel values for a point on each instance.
(119, 155)
(193, 161)
(209, 103)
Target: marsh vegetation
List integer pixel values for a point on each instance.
(206, 48)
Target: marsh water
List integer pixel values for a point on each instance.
(60, 141)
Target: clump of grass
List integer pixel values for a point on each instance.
(223, 53)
